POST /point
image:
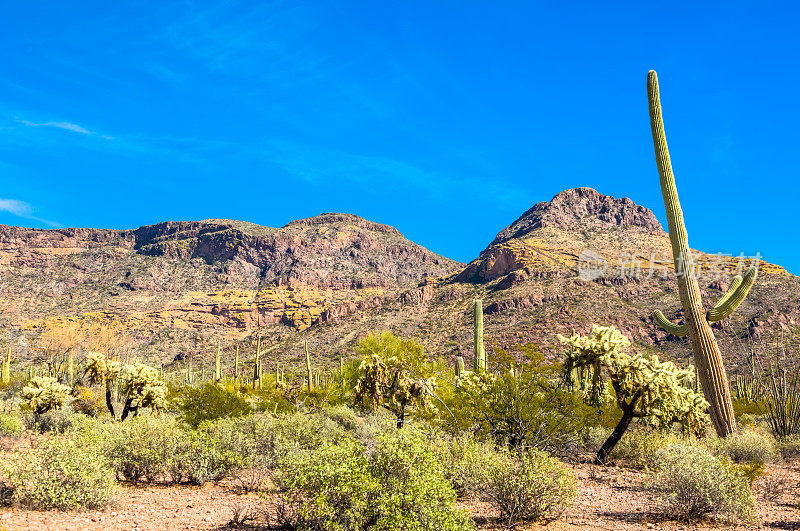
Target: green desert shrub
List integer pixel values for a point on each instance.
(529, 486)
(309, 431)
(87, 402)
(746, 446)
(522, 407)
(56, 421)
(594, 437)
(343, 416)
(415, 492)
(691, 484)
(327, 488)
(210, 402)
(339, 486)
(10, 426)
(465, 459)
(639, 447)
(789, 446)
(60, 474)
(141, 449)
(197, 457)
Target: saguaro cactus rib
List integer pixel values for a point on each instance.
(707, 356)
(733, 297)
(669, 326)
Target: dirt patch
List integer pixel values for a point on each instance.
(608, 498)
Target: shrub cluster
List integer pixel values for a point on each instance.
(10, 426)
(339, 486)
(528, 487)
(747, 446)
(691, 483)
(62, 473)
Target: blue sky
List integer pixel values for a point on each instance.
(444, 119)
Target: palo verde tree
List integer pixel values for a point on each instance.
(519, 403)
(393, 374)
(657, 393)
(707, 356)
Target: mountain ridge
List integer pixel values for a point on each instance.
(176, 287)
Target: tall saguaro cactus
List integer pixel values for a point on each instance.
(257, 369)
(308, 368)
(217, 368)
(5, 377)
(480, 353)
(707, 356)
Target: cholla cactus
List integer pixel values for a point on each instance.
(394, 375)
(656, 392)
(98, 369)
(143, 388)
(389, 384)
(44, 393)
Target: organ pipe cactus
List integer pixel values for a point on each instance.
(707, 356)
(480, 353)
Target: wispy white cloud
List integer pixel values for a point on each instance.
(14, 206)
(23, 210)
(68, 126)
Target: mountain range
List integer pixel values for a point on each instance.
(177, 288)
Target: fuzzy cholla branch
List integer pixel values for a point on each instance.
(44, 393)
(97, 368)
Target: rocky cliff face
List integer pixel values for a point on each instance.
(214, 274)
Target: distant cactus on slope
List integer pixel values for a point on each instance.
(480, 352)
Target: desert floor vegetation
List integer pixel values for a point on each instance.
(388, 440)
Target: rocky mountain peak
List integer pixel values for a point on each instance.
(581, 206)
(330, 218)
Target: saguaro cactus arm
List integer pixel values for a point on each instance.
(733, 297)
(669, 326)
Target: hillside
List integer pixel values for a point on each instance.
(177, 287)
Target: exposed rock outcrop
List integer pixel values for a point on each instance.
(585, 206)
